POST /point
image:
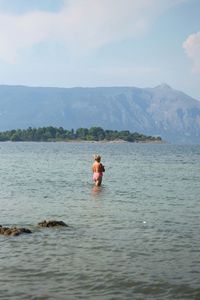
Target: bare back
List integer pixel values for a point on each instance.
(97, 167)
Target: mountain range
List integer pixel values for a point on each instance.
(159, 111)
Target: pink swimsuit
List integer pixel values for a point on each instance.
(97, 175)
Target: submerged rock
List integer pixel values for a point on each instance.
(13, 231)
(52, 223)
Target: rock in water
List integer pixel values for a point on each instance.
(13, 231)
(52, 223)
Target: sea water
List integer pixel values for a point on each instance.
(135, 237)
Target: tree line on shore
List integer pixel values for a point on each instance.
(50, 133)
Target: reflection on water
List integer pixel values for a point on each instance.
(139, 240)
(96, 190)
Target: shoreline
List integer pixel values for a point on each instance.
(91, 142)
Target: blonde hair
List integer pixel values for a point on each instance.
(97, 157)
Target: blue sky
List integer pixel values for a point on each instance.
(69, 43)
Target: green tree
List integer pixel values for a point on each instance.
(82, 133)
(15, 138)
(97, 133)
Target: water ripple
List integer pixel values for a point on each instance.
(135, 238)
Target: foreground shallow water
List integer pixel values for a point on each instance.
(137, 237)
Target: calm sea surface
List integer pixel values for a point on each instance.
(137, 237)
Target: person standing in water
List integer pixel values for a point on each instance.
(97, 169)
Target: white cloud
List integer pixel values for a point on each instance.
(82, 24)
(192, 49)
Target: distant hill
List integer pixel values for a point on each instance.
(160, 111)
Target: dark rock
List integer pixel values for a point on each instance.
(7, 231)
(3, 229)
(25, 230)
(13, 231)
(52, 223)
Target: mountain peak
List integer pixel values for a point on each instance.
(163, 86)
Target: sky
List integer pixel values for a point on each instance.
(89, 43)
